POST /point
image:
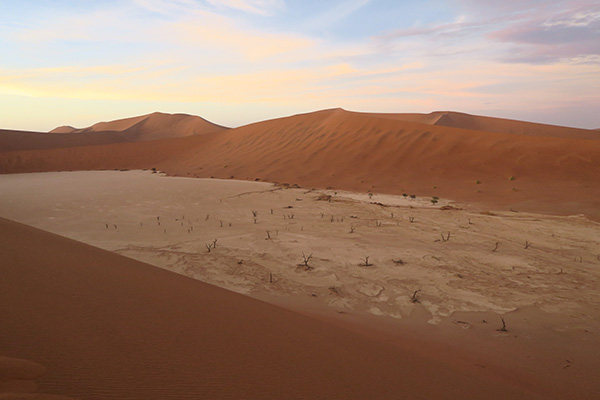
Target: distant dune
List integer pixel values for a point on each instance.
(153, 126)
(147, 127)
(490, 124)
(97, 325)
(533, 171)
(63, 129)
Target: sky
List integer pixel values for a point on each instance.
(233, 62)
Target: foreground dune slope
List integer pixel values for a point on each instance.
(103, 326)
(361, 152)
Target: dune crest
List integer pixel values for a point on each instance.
(64, 129)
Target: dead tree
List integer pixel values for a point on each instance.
(352, 228)
(208, 247)
(306, 260)
(496, 248)
(411, 219)
(378, 223)
(413, 298)
(445, 238)
(366, 262)
(268, 235)
(527, 244)
(399, 262)
(215, 243)
(503, 329)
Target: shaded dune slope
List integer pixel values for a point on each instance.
(353, 151)
(92, 324)
(146, 127)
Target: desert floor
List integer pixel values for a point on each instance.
(367, 259)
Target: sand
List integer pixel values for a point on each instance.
(301, 270)
(546, 292)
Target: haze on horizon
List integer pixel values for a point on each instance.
(239, 61)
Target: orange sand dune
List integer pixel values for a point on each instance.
(147, 127)
(361, 152)
(83, 322)
(477, 122)
(154, 126)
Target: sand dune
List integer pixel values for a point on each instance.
(64, 129)
(97, 325)
(361, 152)
(154, 126)
(490, 124)
(147, 127)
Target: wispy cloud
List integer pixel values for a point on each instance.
(571, 34)
(335, 13)
(262, 7)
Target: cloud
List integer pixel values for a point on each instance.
(261, 7)
(332, 15)
(540, 31)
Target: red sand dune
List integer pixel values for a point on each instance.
(147, 127)
(354, 151)
(88, 323)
